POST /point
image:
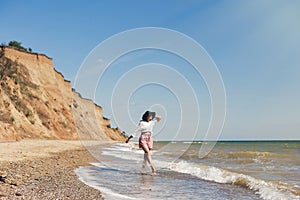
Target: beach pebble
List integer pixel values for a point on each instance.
(3, 174)
(7, 181)
(2, 194)
(15, 183)
(2, 178)
(12, 182)
(18, 194)
(46, 180)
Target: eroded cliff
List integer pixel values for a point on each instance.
(37, 102)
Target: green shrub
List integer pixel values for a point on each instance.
(17, 45)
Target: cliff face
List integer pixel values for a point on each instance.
(36, 102)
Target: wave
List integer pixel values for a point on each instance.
(253, 154)
(193, 142)
(265, 189)
(248, 154)
(107, 193)
(268, 190)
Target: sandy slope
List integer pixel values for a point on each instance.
(26, 149)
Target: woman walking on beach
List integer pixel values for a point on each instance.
(145, 127)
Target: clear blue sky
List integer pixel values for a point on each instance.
(255, 44)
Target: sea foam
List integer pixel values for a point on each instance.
(87, 179)
(265, 189)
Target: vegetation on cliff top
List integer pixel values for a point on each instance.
(17, 45)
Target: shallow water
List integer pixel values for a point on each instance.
(233, 170)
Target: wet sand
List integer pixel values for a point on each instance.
(44, 169)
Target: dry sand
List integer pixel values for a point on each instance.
(44, 169)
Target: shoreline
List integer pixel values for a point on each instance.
(44, 169)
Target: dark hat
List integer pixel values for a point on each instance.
(147, 114)
(153, 114)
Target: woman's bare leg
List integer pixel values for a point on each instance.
(147, 158)
(145, 161)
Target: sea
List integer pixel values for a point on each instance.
(243, 170)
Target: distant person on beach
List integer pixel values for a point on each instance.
(145, 128)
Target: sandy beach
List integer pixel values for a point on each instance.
(44, 169)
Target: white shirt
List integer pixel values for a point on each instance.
(144, 127)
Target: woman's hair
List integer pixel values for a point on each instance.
(147, 114)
